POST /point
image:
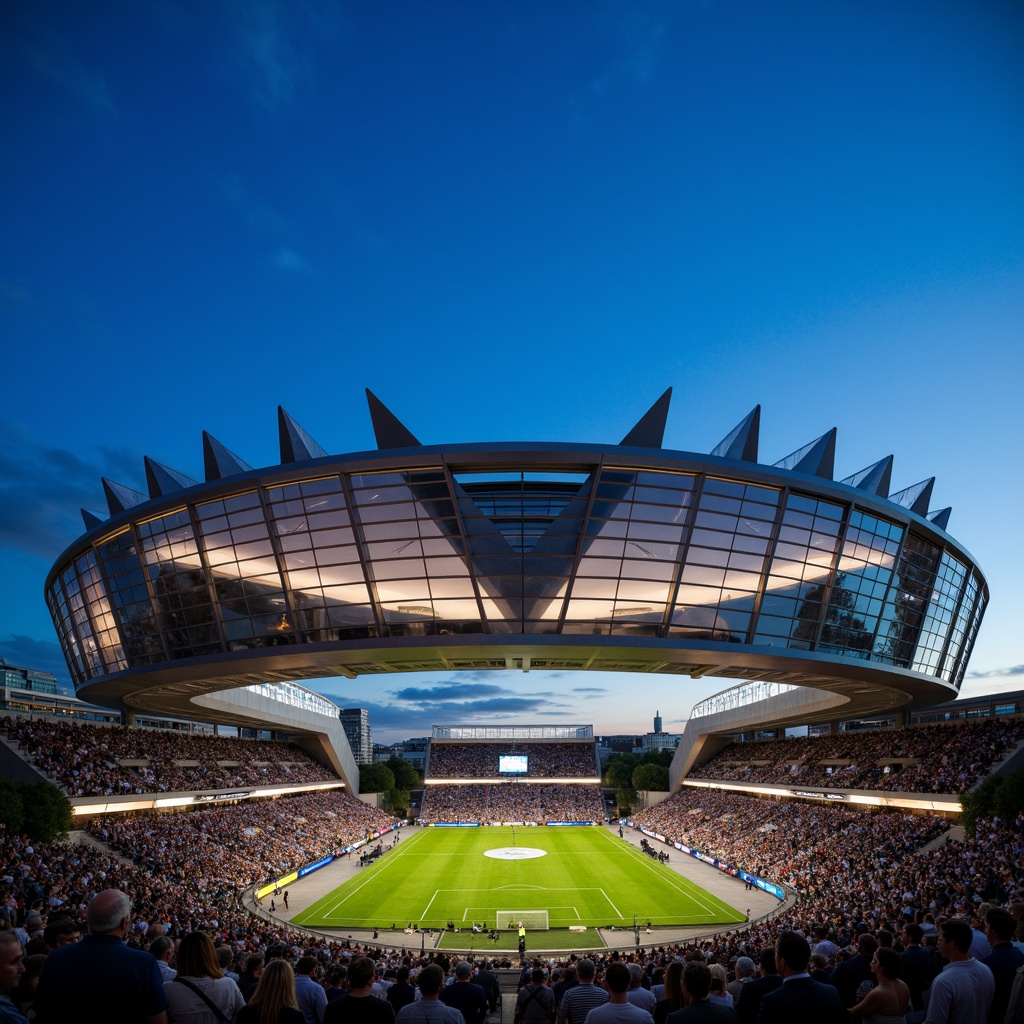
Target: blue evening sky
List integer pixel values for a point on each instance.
(512, 221)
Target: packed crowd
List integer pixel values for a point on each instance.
(512, 801)
(245, 843)
(85, 758)
(856, 871)
(948, 758)
(480, 760)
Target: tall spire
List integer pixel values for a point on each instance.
(741, 442)
(816, 458)
(296, 444)
(649, 431)
(387, 427)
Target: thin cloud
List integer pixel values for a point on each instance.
(290, 260)
(448, 692)
(42, 489)
(54, 60)
(998, 673)
(591, 689)
(28, 652)
(271, 43)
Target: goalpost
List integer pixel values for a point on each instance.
(535, 920)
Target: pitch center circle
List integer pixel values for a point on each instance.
(515, 853)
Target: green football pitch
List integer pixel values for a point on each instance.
(579, 875)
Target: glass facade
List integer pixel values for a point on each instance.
(615, 551)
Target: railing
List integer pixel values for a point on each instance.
(739, 697)
(513, 732)
(296, 697)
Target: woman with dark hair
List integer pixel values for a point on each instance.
(673, 993)
(200, 994)
(251, 972)
(887, 1002)
(274, 1000)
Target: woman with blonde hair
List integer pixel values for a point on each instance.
(719, 981)
(274, 1000)
(200, 994)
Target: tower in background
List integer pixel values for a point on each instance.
(657, 721)
(356, 723)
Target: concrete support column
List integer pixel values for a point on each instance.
(127, 715)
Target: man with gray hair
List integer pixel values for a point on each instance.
(102, 972)
(469, 999)
(162, 947)
(582, 998)
(637, 994)
(745, 971)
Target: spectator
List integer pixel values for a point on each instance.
(162, 948)
(252, 971)
(963, 991)
(749, 1005)
(429, 1009)
(800, 997)
(535, 1003)
(102, 971)
(1004, 961)
(617, 1009)
(273, 1001)
(637, 994)
(200, 990)
(464, 996)
(847, 977)
(402, 993)
(890, 997)
(673, 999)
(579, 1000)
(310, 994)
(718, 993)
(699, 1009)
(360, 1006)
(12, 967)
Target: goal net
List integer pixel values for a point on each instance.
(535, 920)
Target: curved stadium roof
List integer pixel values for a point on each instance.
(418, 557)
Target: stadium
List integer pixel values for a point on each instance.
(841, 604)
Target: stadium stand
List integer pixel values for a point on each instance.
(450, 760)
(512, 801)
(948, 758)
(88, 759)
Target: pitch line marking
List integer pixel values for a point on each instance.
(432, 898)
(370, 878)
(610, 904)
(643, 858)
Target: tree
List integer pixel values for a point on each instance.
(618, 770)
(651, 777)
(47, 812)
(12, 810)
(396, 801)
(406, 776)
(375, 778)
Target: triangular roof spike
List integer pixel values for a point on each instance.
(741, 442)
(91, 519)
(649, 431)
(816, 458)
(296, 444)
(163, 480)
(219, 461)
(875, 479)
(916, 497)
(940, 517)
(120, 498)
(387, 427)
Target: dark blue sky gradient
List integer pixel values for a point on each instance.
(511, 221)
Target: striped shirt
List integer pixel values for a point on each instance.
(579, 1001)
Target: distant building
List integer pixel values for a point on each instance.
(659, 741)
(28, 679)
(657, 722)
(356, 723)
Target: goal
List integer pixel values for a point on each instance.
(535, 920)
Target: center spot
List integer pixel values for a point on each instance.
(515, 853)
